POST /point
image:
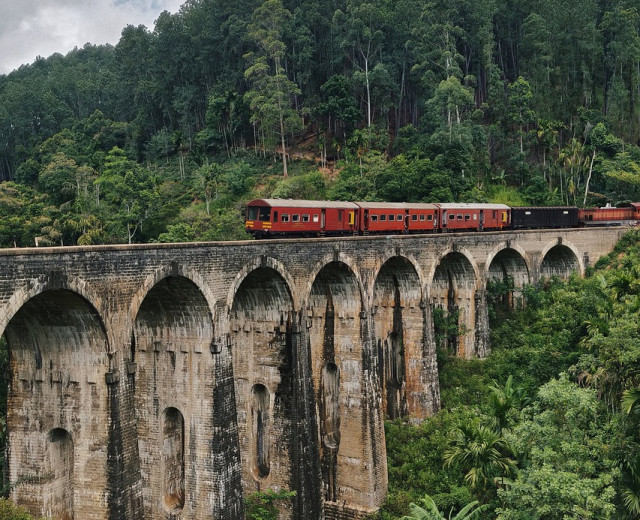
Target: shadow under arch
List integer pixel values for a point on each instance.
(59, 358)
(560, 259)
(173, 270)
(507, 272)
(253, 266)
(452, 293)
(50, 282)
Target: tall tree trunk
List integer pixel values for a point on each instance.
(586, 186)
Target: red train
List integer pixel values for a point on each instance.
(299, 218)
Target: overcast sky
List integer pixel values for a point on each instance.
(31, 28)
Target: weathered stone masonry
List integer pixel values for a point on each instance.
(170, 381)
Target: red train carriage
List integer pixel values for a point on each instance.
(609, 216)
(397, 218)
(284, 217)
(383, 217)
(473, 217)
(422, 218)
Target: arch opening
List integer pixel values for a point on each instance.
(57, 359)
(453, 301)
(507, 275)
(399, 327)
(174, 316)
(559, 261)
(260, 405)
(173, 455)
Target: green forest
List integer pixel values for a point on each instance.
(167, 134)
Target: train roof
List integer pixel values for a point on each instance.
(472, 205)
(310, 204)
(395, 205)
(543, 207)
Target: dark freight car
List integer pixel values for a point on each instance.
(551, 217)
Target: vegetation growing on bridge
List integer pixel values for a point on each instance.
(536, 430)
(167, 134)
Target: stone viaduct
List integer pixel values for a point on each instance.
(170, 381)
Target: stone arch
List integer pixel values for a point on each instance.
(255, 264)
(51, 281)
(175, 270)
(400, 332)
(560, 259)
(172, 340)
(341, 258)
(59, 366)
(412, 260)
(453, 288)
(262, 344)
(508, 264)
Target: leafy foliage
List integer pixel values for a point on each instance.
(9, 511)
(263, 505)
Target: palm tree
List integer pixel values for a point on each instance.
(631, 401)
(481, 453)
(429, 511)
(505, 402)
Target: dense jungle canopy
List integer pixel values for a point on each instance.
(166, 135)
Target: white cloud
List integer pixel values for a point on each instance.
(31, 28)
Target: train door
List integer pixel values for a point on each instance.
(481, 225)
(444, 219)
(365, 221)
(323, 219)
(406, 222)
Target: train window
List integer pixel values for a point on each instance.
(475, 216)
(495, 214)
(429, 217)
(452, 217)
(415, 217)
(265, 214)
(374, 218)
(305, 218)
(383, 218)
(392, 217)
(467, 217)
(252, 213)
(275, 216)
(316, 218)
(285, 217)
(399, 217)
(460, 217)
(295, 218)
(340, 215)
